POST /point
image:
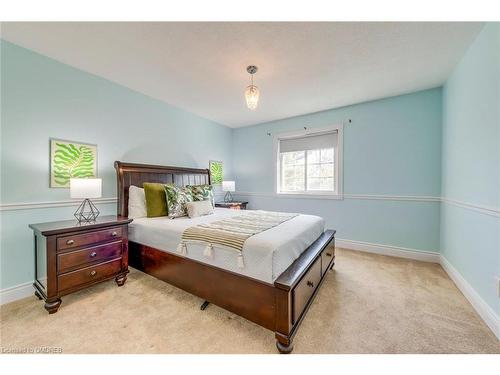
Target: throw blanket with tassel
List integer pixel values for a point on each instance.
(232, 232)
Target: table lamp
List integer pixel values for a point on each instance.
(228, 186)
(86, 188)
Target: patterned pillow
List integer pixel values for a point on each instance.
(177, 197)
(202, 193)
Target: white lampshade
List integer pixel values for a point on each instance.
(228, 186)
(85, 187)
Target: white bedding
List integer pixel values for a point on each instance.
(266, 254)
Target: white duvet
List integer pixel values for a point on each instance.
(266, 254)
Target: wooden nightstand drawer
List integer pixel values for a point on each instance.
(89, 274)
(77, 240)
(81, 258)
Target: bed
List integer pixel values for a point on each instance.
(283, 270)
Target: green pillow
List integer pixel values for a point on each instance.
(177, 197)
(202, 193)
(156, 201)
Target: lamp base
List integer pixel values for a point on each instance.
(86, 212)
(228, 198)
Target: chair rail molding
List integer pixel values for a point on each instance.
(487, 210)
(492, 211)
(51, 204)
(63, 203)
(418, 198)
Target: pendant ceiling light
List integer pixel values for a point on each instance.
(252, 92)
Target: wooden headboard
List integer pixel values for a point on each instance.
(136, 174)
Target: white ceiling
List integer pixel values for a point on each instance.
(303, 67)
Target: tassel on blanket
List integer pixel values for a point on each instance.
(241, 263)
(209, 251)
(182, 248)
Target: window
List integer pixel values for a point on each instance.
(309, 163)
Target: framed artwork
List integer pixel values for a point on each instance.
(70, 159)
(216, 173)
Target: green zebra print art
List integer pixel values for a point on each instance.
(71, 160)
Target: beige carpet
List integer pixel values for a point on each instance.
(368, 304)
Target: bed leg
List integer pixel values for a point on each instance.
(38, 295)
(283, 348)
(204, 305)
(120, 279)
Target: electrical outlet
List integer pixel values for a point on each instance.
(497, 279)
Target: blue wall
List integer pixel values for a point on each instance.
(392, 148)
(43, 98)
(470, 239)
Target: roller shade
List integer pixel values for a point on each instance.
(309, 142)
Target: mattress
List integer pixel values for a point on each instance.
(266, 254)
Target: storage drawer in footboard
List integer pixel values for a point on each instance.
(305, 288)
(327, 257)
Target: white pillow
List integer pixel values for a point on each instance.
(199, 208)
(136, 202)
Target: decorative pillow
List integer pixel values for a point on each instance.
(199, 208)
(177, 197)
(156, 202)
(136, 202)
(202, 193)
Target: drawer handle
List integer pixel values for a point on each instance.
(328, 254)
(93, 273)
(70, 242)
(310, 283)
(114, 234)
(93, 254)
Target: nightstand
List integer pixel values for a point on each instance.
(232, 205)
(70, 256)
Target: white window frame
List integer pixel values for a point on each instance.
(338, 163)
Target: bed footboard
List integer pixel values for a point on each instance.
(296, 288)
(280, 307)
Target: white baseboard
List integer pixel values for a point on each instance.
(489, 316)
(400, 252)
(16, 292)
